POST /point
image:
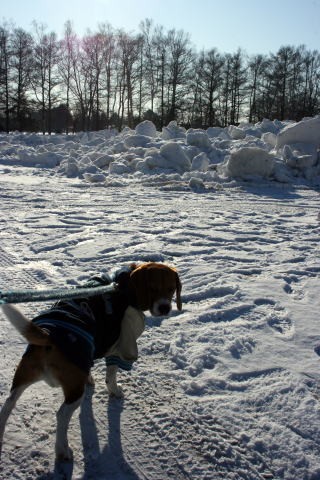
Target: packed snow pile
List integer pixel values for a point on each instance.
(273, 150)
(250, 161)
(307, 131)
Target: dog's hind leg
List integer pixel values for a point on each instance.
(26, 374)
(73, 388)
(7, 409)
(64, 414)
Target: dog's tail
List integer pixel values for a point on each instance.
(35, 335)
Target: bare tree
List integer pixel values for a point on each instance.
(256, 72)
(162, 74)
(281, 71)
(128, 60)
(67, 47)
(210, 80)
(238, 80)
(310, 83)
(22, 50)
(93, 63)
(179, 64)
(117, 78)
(233, 88)
(45, 78)
(82, 81)
(225, 90)
(109, 48)
(5, 56)
(150, 59)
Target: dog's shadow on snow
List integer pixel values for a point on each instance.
(105, 460)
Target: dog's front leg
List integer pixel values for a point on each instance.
(64, 414)
(111, 380)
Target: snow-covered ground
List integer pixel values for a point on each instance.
(229, 387)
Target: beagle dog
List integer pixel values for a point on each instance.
(66, 339)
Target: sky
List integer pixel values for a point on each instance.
(256, 26)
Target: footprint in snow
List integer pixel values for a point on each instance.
(278, 318)
(281, 323)
(264, 301)
(287, 288)
(242, 346)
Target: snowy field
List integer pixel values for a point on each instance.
(229, 387)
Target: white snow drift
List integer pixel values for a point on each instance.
(277, 151)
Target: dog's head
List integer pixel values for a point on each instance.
(154, 286)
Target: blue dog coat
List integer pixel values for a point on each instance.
(85, 329)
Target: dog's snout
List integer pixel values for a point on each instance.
(164, 309)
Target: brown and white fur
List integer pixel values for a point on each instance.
(152, 285)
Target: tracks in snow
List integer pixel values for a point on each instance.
(155, 433)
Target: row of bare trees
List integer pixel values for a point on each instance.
(113, 78)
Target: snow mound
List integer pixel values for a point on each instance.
(306, 131)
(39, 159)
(119, 167)
(94, 177)
(196, 183)
(214, 132)
(200, 162)
(136, 141)
(300, 155)
(172, 131)
(236, 133)
(271, 150)
(250, 161)
(198, 138)
(175, 156)
(147, 129)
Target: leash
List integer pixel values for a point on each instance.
(24, 296)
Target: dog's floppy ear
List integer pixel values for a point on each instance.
(178, 292)
(138, 283)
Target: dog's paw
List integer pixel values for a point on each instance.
(115, 391)
(64, 455)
